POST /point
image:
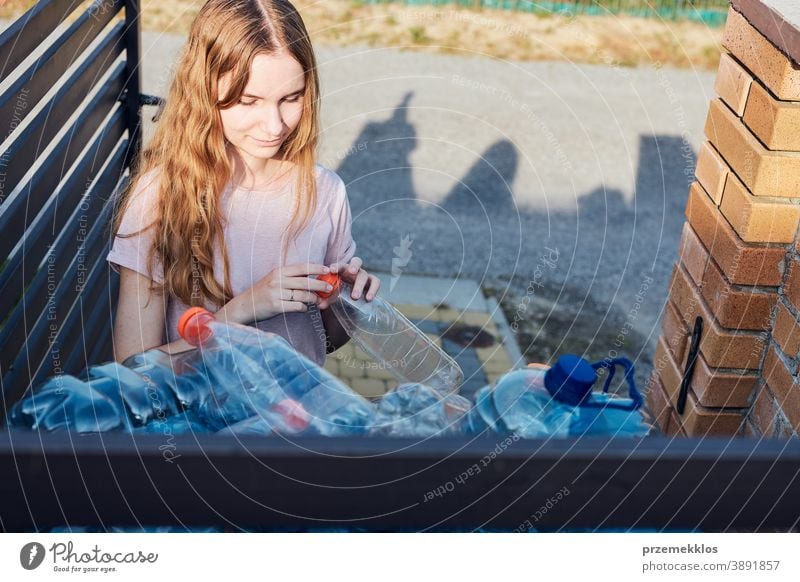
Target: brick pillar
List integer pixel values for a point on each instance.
(739, 264)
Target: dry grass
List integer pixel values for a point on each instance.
(619, 40)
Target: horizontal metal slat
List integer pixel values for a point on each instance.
(102, 349)
(24, 150)
(21, 208)
(26, 92)
(41, 353)
(94, 297)
(47, 293)
(82, 327)
(27, 32)
(21, 267)
(688, 484)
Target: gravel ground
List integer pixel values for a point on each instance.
(559, 187)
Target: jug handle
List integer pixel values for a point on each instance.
(636, 397)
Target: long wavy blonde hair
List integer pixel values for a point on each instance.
(189, 149)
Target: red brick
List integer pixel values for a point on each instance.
(675, 428)
(696, 420)
(765, 412)
(787, 331)
(775, 20)
(685, 296)
(761, 57)
(674, 332)
(667, 370)
(730, 349)
(658, 404)
(733, 83)
(713, 387)
(783, 385)
(774, 122)
(749, 430)
(785, 431)
(792, 287)
(721, 348)
(722, 388)
(737, 307)
(766, 173)
(700, 421)
(693, 254)
(756, 218)
(742, 263)
(711, 171)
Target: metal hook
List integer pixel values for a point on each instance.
(694, 348)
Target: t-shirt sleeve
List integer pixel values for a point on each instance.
(138, 220)
(341, 246)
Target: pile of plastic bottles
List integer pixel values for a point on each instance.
(239, 380)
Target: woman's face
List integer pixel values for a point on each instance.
(268, 111)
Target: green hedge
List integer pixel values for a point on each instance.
(711, 12)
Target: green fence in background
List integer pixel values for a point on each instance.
(711, 12)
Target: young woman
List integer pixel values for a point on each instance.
(228, 208)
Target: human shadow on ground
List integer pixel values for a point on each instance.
(609, 249)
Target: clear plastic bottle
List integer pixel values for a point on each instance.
(392, 340)
(254, 371)
(416, 410)
(174, 372)
(542, 401)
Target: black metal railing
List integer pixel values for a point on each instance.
(70, 129)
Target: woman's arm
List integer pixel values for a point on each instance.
(139, 324)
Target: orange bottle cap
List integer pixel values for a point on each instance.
(187, 324)
(293, 413)
(334, 280)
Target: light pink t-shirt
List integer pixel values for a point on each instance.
(254, 222)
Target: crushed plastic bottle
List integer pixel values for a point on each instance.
(253, 371)
(392, 340)
(67, 403)
(144, 399)
(416, 410)
(287, 417)
(171, 371)
(557, 401)
(184, 423)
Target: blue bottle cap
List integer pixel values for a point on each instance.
(570, 380)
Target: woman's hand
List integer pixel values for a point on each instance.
(284, 290)
(361, 281)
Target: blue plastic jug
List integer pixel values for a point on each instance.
(558, 401)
